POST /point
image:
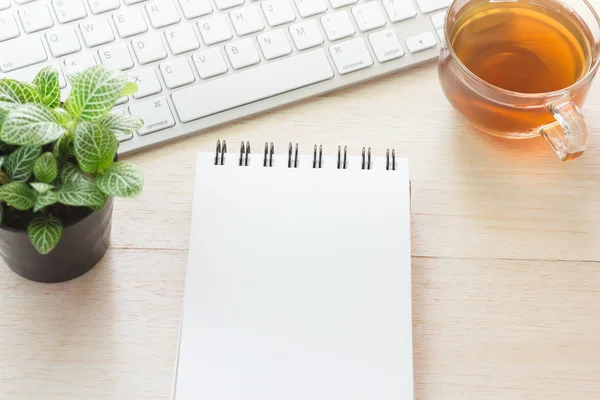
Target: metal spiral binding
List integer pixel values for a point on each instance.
(244, 153)
(366, 161)
(387, 160)
(295, 163)
(342, 164)
(269, 150)
(293, 157)
(318, 162)
(220, 153)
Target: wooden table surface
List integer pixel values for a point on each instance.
(505, 244)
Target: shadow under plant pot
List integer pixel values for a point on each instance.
(82, 245)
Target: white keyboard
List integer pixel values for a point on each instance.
(201, 63)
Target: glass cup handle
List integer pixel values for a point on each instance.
(568, 136)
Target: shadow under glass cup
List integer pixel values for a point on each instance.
(519, 69)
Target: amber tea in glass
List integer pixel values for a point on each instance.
(523, 68)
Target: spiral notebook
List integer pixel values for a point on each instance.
(298, 284)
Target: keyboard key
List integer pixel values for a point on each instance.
(399, 10)
(177, 72)
(278, 12)
(306, 34)
(79, 62)
(21, 53)
(337, 25)
(209, 63)
(386, 45)
(129, 2)
(421, 42)
(130, 23)
(162, 13)
(123, 137)
(148, 49)
(8, 26)
(438, 20)
(96, 32)
(155, 113)
(147, 82)
(100, 6)
(252, 85)
(351, 56)
(4, 4)
(242, 53)
(116, 56)
(63, 41)
(68, 10)
(195, 8)
(440, 33)
(225, 4)
(28, 74)
(19, 2)
(368, 16)
(181, 39)
(342, 3)
(274, 44)
(214, 29)
(308, 8)
(35, 18)
(246, 20)
(428, 6)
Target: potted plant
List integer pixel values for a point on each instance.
(59, 171)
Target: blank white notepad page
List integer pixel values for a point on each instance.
(298, 285)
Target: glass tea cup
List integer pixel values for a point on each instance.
(502, 112)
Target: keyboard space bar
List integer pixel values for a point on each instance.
(252, 85)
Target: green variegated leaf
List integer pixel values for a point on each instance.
(45, 232)
(19, 164)
(31, 125)
(61, 146)
(94, 93)
(129, 89)
(119, 124)
(46, 82)
(121, 179)
(99, 206)
(14, 92)
(70, 173)
(2, 159)
(45, 199)
(18, 195)
(72, 73)
(45, 168)
(81, 194)
(94, 147)
(1, 213)
(63, 116)
(41, 187)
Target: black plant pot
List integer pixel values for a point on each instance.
(82, 245)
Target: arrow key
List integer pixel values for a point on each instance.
(421, 42)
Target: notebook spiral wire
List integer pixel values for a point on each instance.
(293, 158)
(244, 154)
(220, 153)
(268, 159)
(293, 164)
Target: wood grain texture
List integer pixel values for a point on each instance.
(506, 266)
